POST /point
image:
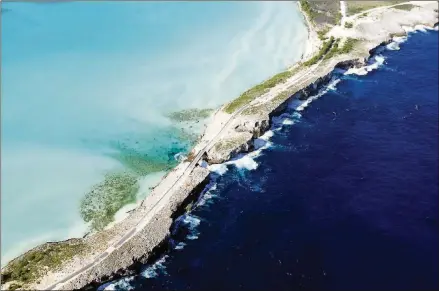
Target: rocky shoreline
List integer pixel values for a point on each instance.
(152, 238)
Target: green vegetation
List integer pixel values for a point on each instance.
(322, 33)
(189, 114)
(406, 7)
(334, 50)
(363, 15)
(338, 17)
(30, 266)
(102, 202)
(348, 45)
(257, 91)
(325, 48)
(306, 7)
(348, 24)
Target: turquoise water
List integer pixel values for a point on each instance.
(87, 84)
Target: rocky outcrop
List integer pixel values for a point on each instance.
(239, 139)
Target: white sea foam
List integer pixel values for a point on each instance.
(399, 39)
(416, 28)
(156, 268)
(422, 28)
(192, 222)
(180, 246)
(207, 194)
(408, 29)
(300, 105)
(219, 169)
(123, 284)
(376, 62)
(126, 283)
(283, 119)
(393, 46)
(245, 161)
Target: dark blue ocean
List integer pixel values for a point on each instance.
(345, 198)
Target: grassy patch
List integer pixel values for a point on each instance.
(322, 33)
(306, 7)
(102, 202)
(324, 49)
(406, 7)
(257, 91)
(348, 45)
(30, 266)
(338, 17)
(365, 14)
(334, 50)
(189, 114)
(348, 24)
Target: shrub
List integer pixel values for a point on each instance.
(348, 45)
(348, 24)
(307, 9)
(325, 48)
(322, 33)
(338, 17)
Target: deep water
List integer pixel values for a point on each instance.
(345, 198)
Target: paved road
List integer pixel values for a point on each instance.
(140, 225)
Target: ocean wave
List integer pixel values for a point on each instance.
(192, 222)
(245, 161)
(375, 63)
(419, 27)
(207, 194)
(122, 284)
(219, 169)
(155, 269)
(393, 46)
(300, 105)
